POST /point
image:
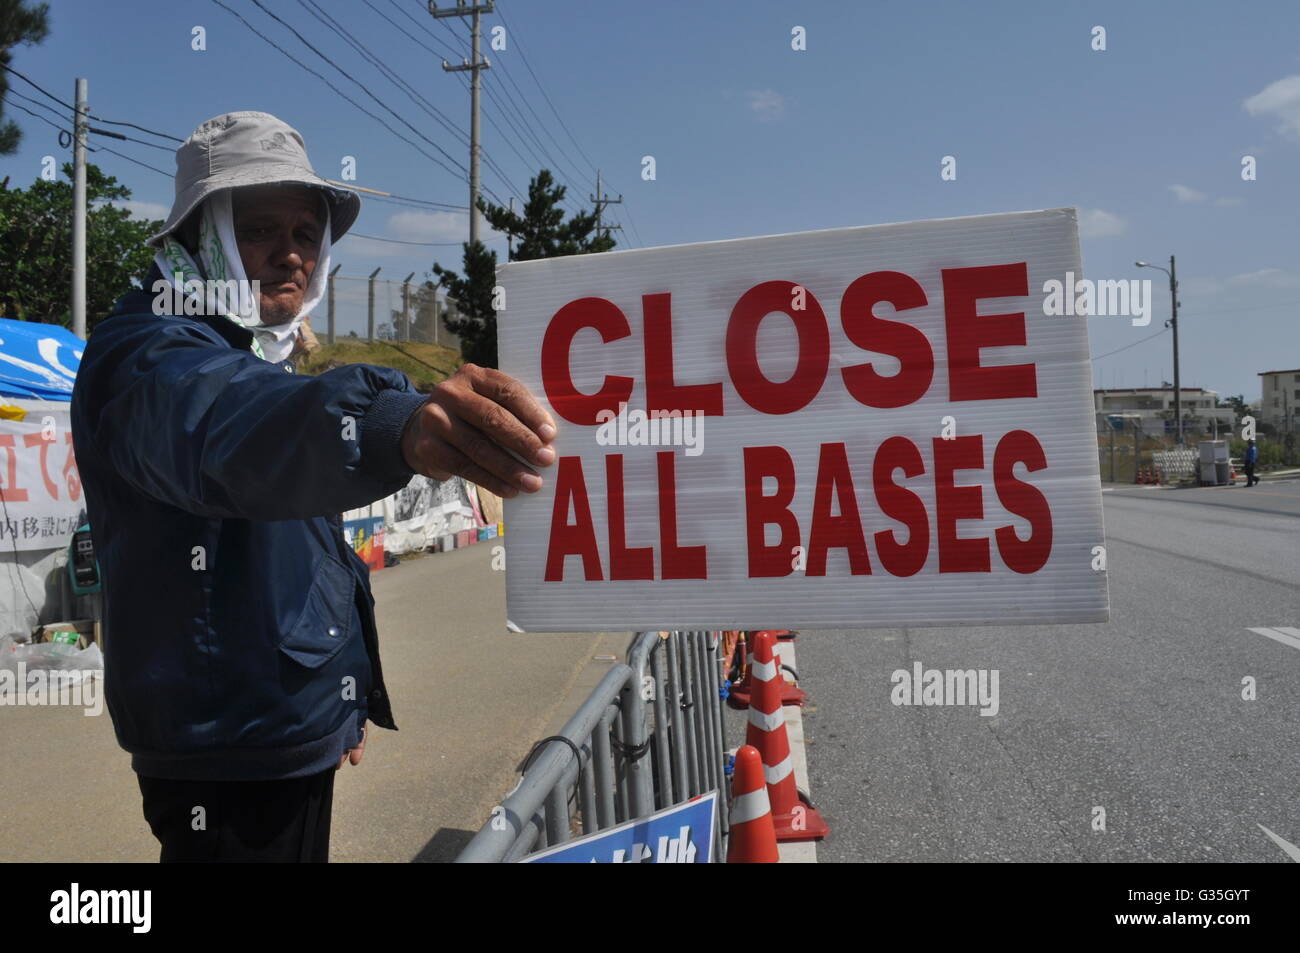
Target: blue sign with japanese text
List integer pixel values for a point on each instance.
(682, 834)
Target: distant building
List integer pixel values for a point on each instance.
(1280, 400)
(1153, 409)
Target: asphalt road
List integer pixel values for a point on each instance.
(1142, 717)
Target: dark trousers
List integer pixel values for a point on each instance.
(241, 821)
(1251, 479)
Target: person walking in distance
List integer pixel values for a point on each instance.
(1252, 457)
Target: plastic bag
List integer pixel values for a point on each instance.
(52, 656)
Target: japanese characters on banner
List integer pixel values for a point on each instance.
(39, 483)
(858, 427)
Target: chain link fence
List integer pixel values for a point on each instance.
(374, 309)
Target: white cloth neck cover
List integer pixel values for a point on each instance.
(220, 260)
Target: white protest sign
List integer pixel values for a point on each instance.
(39, 481)
(858, 427)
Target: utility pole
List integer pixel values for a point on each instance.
(1173, 323)
(329, 336)
(600, 203)
(370, 311)
(474, 66)
(406, 307)
(80, 114)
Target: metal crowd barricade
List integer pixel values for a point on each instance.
(648, 737)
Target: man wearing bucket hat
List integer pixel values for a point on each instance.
(241, 655)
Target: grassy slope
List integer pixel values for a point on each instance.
(424, 364)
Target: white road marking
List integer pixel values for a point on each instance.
(1291, 850)
(1284, 634)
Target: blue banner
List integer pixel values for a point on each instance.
(38, 361)
(682, 834)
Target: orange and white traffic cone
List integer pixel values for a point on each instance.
(753, 837)
(795, 818)
(740, 694)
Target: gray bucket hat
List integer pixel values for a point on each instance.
(249, 148)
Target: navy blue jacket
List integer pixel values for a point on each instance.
(239, 634)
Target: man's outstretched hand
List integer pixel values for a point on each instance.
(469, 423)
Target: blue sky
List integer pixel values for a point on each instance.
(751, 137)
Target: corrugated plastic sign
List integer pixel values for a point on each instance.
(857, 427)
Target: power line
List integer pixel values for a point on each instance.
(1150, 337)
(524, 56)
(355, 81)
(398, 241)
(487, 158)
(311, 7)
(99, 132)
(121, 155)
(425, 28)
(50, 122)
(345, 96)
(111, 122)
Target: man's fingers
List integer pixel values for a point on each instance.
(476, 446)
(505, 390)
(500, 426)
(525, 425)
(463, 466)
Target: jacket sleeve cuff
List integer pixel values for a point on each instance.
(381, 434)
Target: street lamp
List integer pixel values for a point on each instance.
(1171, 271)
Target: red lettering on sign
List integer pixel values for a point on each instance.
(953, 503)
(757, 391)
(900, 503)
(761, 510)
(579, 537)
(678, 562)
(968, 332)
(13, 493)
(662, 391)
(1024, 500)
(843, 531)
(624, 563)
(39, 440)
(70, 472)
(871, 333)
(557, 379)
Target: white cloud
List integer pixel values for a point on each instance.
(1097, 223)
(416, 226)
(767, 104)
(1281, 101)
(428, 226)
(1266, 277)
(144, 210)
(1186, 194)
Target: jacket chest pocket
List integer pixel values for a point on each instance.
(326, 619)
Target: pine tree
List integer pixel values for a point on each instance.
(18, 24)
(539, 232)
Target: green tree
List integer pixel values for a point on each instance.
(473, 320)
(19, 24)
(36, 248)
(539, 231)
